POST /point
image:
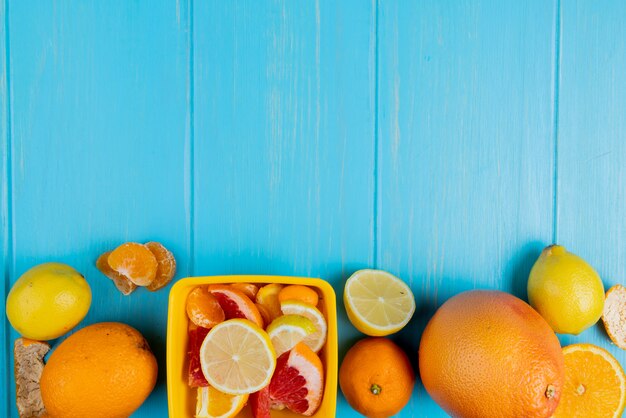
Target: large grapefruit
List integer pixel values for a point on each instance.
(489, 354)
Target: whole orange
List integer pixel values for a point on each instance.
(376, 378)
(489, 354)
(105, 370)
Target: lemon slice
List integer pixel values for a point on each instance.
(237, 357)
(317, 339)
(212, 403)
(288, 330)
(378, 303)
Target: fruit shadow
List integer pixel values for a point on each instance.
(518, 268)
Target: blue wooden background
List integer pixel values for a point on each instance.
(444, 141)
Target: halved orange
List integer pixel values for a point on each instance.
(236, 304)
(595, 384)
(135, 261)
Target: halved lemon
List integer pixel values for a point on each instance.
(237, 357)
(317, 339)
(288, 330)
(378, 303)
(212, 403)
(595, 384)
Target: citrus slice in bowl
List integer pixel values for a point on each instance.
(267, 296)
(317, 339)
(595, 384)
(237, 357)
(203, 309)
(236, 304)
(298, 381)
(299, 292)
(288, 330)
(378, 303)
(212, 403)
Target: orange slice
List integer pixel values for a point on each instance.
(166, 266)
(595, 384)
(236, 304)
(614, 315)
(203, 309)
(211, 403)
(121, 282)
(298, 292)
(237, 357)
(134, 261)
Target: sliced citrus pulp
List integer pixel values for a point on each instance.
(299, 292)
(288, 330)
(166, 266)
(316, 340)
(203, 309)
(260, 403)
(195, 335)
(595, 384)
(248, 289)
(236, 304)
(377, 302)
(614, 315)
(237, 357)
(267, 296)
(121, 282)
(134, 261)
(298, 381)
(212, 403)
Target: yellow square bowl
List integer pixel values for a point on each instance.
(182, 399)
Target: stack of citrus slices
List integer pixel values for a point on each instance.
(255, 345)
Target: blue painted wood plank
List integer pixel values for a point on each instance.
(465, 186)
(100, 146)
(4, 208)
(284, 140)
(592, 145)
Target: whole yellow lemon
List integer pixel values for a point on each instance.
(47, 301)
(565, 290)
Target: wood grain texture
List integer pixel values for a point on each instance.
(284, 141)
(5, 375)
(100, 121)
(592, 145)
(465, 176)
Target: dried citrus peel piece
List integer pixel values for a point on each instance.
(614, 315)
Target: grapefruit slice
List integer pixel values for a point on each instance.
(237, 357)
(236, 304)
(211, 403)
(298, 381)
(260, 403)
(196, 335)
